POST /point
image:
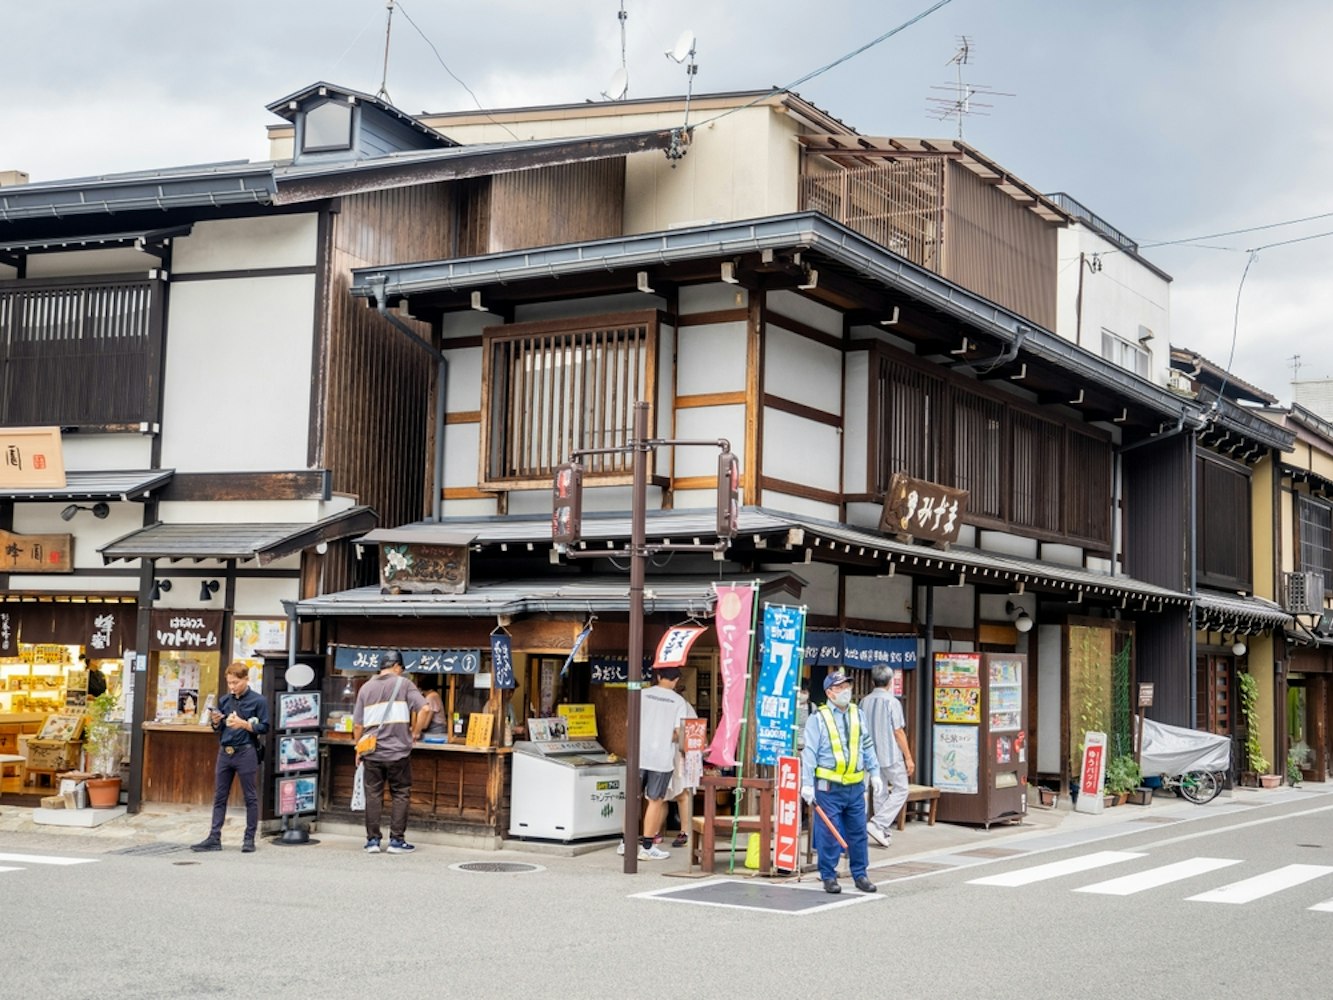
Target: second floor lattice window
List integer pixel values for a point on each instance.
(550, 388)
(1315, 533)
(1222, 509)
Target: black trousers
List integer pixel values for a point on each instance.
(398, 775)
(243, 764)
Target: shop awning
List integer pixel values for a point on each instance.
(112, 485)
(1222, 612)
(243, 542)
(690, 595)
(788, 536)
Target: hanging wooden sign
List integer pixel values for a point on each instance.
(922, 510)
(36, 553)
(31, 458)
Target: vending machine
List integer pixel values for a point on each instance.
(980, 737)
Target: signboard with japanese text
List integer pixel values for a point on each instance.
(1093, 776)
(502, 662)
(414, 567)
(922, 509)
(733, 619)
(859, 650)
(956, 759)
(674, 649)
(479, 728)
(36, 553)
(31, 458)
(786, 844)
(775, 695)
(415, 661)
(200, 631)
(580, 720)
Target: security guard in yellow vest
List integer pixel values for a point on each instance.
(838, 750)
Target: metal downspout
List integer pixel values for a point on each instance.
(441, 380)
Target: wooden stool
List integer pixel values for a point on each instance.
(12, 776)
(705, 828)
(921, 800)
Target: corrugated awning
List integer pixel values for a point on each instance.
(261, 542)
(679, 594)
(114, 485)
(1223, 612)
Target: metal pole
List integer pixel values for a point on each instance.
(638, 533)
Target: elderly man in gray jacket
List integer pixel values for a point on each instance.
(883, 714)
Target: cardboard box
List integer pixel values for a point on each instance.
(53, 802)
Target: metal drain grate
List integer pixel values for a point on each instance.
(504, 867)
(152, 850)
(906, 869)
(990, 852)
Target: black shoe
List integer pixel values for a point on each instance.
(831, 886)
(248, 847)
(207, 844)
(865, 885)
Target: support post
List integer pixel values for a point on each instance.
(638, 533)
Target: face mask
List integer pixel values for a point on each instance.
(841, 698)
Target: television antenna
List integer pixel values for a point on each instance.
(618, 88)
(683, 52)
(1295, 361)
(963, 102)
(383, 92)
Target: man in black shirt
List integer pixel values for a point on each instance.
(240, 718)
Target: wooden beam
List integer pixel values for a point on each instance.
(315, 484)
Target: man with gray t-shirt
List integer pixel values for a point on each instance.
(390, 706)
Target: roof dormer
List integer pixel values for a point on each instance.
(334, 123)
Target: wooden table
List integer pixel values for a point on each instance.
(12, 776)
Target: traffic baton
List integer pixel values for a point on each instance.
(829, 823)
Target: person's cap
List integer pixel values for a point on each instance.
(835, 678)
(389, 657)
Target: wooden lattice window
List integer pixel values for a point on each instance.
(1223, 522)
(1036, 480)
(550, 388)
(1087, 491)
(980, 453)
(1315, 526)
(910, 405)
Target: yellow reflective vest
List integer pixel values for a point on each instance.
(846, 769)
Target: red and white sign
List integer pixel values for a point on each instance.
(733, 619)
(1094, 774)
(786, 852)
(674, 649)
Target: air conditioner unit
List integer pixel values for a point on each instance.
(1304, 593)
(1177, 381)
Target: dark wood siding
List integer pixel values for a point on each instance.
(1156, 498)
(561, 204)
(1222, 513)
(1163, 660)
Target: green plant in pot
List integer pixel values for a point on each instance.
(1294, 761)
(1249, 710)
(1122, 775)
(102, 742)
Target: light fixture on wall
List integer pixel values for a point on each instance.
(1238, 647)
(159, 586)
(1022, 620)
(207, 588)
(100, 510)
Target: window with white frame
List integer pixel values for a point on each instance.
(1125, 353)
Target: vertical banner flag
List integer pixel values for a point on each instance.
(787, 846)
(674, 649)
(579, 640)
(502, 662)
(732, 618)
(775, 697)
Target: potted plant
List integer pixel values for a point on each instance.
(1294, 760)
(1122, 777)
(102, 744)
(1256, 762)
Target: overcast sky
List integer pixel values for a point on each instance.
(1169, 120)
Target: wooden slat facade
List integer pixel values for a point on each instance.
(554, 205)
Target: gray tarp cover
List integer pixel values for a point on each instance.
(1176, 750)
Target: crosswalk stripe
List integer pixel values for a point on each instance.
(1266, 884)
(45, 859)
(1326, 906)
(4, 869)
(1055, 869)
(1127, 885)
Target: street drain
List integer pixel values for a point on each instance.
(185, 862)
(1318, 846)
(501, 867)
(151, 850)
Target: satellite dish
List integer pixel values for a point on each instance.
(299, 675)
(684, 46)
(619, 85)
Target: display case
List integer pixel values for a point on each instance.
(980, 737)
(35, 680)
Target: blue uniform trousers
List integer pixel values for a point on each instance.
(845, 805)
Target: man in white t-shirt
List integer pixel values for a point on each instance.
(661, 712)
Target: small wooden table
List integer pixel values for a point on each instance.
(705, 828)
(921, 800)
(12, 772)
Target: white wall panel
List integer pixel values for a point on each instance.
(462, 446)
(800, 450)
(801, 370)
(237, 386)
(89, 532)
(855, 428)
(463, 386)
(809, 312)
(92, 452)
(248, 511)
(785, 502)
(259, 596)
(710, 359)
(711, 298)
(123, 260)
(887, 598)
(708, 423)
(1048, 698)
(247, 244)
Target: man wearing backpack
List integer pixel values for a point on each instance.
(391, 708)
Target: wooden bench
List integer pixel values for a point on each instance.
(705, 829)
(922, 800)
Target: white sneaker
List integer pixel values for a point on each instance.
(653, 853)
(620, 848)
(877, 835)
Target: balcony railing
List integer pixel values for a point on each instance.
(1093, 221)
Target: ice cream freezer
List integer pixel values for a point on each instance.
(566, 790)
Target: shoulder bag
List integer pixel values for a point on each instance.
(368, 741)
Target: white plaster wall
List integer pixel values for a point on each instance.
(820, 596)
(802, 370)
(261, 596)
(71, 263)
(89, 533)
(237, 385)
(887, 598)
(462, 455)
(710, 359)
(52, 584)
(1048, 698)
(809, 312)
(785, 502)
(1065, 555)
(247, 244)
(861, 514)
(800, 450)
(855, 433)
(102, 452)
(595, 498)
(249, 511)
(710, 298)
(708, 423)
(1007, 544)
(953, 606)
(463, 385)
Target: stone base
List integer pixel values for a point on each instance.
(87, 818)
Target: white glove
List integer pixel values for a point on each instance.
(808, 793)
(876, 785)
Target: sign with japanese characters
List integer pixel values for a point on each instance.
(859, 650)
(674, 649)
(30, 458)
(415, 661)
(502, 661)
(775, 695)
(36, 553)
(733, 619)
(957, 759)
(1092, 778)
(419, 568)
(786, 846)
(923, 510)
(197, 630)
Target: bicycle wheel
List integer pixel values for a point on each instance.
(1200, 786)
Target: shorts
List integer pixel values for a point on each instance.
(655, 784)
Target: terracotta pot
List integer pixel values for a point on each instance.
(103, 793)
(1270, 780)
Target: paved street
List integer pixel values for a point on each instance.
(1227, 900)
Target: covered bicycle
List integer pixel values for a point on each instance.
(1192, 762)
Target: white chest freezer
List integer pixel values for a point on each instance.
(565, 790)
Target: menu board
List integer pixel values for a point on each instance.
(958, 688)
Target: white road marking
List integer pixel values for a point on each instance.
(1326, 906)
(1055, 869)
(45, 859)
(4, 869)
(1250, 889)
(1127, 885)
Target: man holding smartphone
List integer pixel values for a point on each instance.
(239, 720)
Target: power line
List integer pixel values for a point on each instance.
(1234, 232)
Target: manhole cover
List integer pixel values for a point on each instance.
(503, 867)
(907, 869)
(152, 850)
(750, 895)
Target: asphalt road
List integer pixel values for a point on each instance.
(1014, 918)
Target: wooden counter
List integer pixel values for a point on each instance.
(455, 788)
(179, 764)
